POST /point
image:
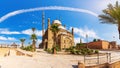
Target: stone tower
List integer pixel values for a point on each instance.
(43, 22)
(50, 36)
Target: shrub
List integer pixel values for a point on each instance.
(80, 46)
(83, 51)
(89, 52)
(78, 52)
(70, 49)
(49, 50)
(96, 51)
(27, 48)
(56, 47)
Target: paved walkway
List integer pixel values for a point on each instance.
(42, 60)
(12, 52)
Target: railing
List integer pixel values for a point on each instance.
(106, 58)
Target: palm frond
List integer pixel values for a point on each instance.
(111, 15)
(54, 28)
(107, 19)
(22, 40)
(33, 36)
(33, 29)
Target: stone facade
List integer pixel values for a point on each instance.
(102, 44)
(64, 38)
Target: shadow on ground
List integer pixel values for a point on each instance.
(74, 66)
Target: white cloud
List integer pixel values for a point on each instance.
(6, 31)
(77, 40)
(85, 31)
(11, 38)
(39, 40)
(46, 8)
(7, 38)
(98, 5)
(29, 32)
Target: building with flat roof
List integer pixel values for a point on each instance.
(102, 44)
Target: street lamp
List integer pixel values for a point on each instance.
(87, 40)
(113, 38)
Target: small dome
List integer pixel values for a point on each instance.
(56, 22)
(61, 27)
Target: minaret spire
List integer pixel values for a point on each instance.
(43, 22)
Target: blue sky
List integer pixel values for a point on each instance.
(16, 24)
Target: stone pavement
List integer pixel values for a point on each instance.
(41, 59)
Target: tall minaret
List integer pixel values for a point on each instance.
(43, 22)
(73, 31)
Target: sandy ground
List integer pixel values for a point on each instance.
(41, 60)
(3, 51)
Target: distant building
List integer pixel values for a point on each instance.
(65, 39)
(4, 45)
(102, 44)
(14, 45)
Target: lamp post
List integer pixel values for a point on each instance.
(87, 40)
(113, 38)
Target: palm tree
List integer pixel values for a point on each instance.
(34, 38)
(22, 42)
(54, 29)
(111, 15)
(33, 29)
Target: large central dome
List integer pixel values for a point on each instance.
(57, 22)
(61, 27)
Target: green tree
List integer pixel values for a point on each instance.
(33, 38)
(94, 40)
(22, 42)
(111, 15)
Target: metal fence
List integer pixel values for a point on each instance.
(100, 59)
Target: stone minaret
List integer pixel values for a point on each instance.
(73, 36)
(49, 23)
(72, 31)
(43, 22)
(50, 36)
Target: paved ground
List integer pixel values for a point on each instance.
(42, 60)
(3, 51)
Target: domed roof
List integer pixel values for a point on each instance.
(56, 22)
(61, 27)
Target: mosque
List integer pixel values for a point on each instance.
(64, 38)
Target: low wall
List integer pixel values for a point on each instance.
(115, 65)
(19, 53)
(106, 65)
(23, 53)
